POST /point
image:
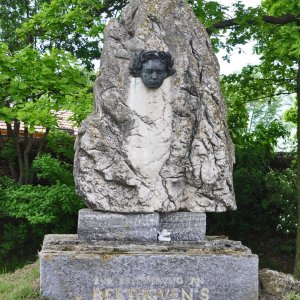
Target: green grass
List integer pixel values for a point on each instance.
(292, 296)
(21, 284)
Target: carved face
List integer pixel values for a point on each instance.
(153, 73)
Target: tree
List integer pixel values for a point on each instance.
(73, 25)
(275, 27)
(34, 84)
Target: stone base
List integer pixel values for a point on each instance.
(211, 269)
(104, 226)
(184, 226)
(140, 227)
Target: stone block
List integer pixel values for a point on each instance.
(211, 269)
(97, 226)
(179, 226)
(184, 226)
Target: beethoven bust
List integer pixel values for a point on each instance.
(153, 67)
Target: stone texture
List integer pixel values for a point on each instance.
(184, 226)
(165, 149)
(174, 226)
(97, 226)
(276, 285)
(212, 269)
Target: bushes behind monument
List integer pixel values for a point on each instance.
(266, 217)
(28, 212)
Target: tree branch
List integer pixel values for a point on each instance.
(27, 150)
(43, 141)
(111, 6)
(278, 20)
(260, 98)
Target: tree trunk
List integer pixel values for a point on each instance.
(27, 150)
(43, 141)
(10, 162)
(15, 134)
(297, 258)
(39, 151)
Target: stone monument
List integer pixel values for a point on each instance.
(154, 156)
(164, 147)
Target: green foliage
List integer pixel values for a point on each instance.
(265, 198)
(281, 200)
(292, 296)
(34, 84)
(8, 151)
(73, 25)
(209, 12)
(56, 167)
(266, 215)
(28, 212)
(284, 42)
(290, 115)
(52, 170)
(40, 204)
(19, 242)
(61, 144)
(36, 79)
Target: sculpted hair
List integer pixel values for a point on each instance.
(143, 56)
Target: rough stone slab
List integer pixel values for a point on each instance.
(277, 285)
(212, 269)
(97, 226)
(184, 226)
(180, 226)
(156, 150)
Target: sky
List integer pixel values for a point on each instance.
(238, 61)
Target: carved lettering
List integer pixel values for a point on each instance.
(174, 294)
(179, 280)
(130, 294)
(164, 294)
(118, 294)
(137, 293)
(144, 294)
(98, 295)
(187, 295)
(204, 294)
(108, 294)
(196, 281)
(152, 294)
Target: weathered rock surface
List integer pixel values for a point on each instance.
(276, 285)
(165, 149)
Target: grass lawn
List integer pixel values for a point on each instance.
(21, 284)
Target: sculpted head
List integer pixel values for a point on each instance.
(153, 67)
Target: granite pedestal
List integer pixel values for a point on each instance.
(140, 227)
(184, 226)
(97, 226)
(212, 269)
